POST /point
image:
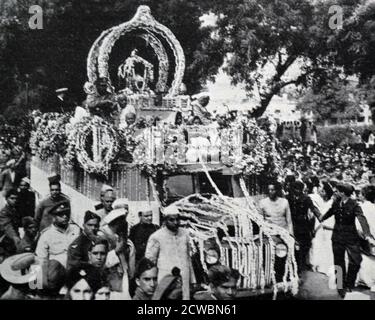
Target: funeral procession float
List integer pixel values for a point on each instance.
(139, 132)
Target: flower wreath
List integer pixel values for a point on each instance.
(103, 135)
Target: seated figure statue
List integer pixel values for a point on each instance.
(134, 82)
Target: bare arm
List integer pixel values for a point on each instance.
(315, 210)
(39, 213)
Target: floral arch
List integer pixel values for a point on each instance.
(153, 33)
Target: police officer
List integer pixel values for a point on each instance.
(54, 241)
(345, 237)
(42, 212)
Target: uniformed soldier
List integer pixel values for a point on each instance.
(54, 241)
(345, 237)
(42, 212)
(78, 249)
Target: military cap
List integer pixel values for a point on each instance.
(60, 208)
(54, 179)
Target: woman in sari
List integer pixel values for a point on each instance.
(321, 254)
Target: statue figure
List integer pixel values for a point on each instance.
(135, 82)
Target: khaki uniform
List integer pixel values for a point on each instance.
(54, 242)
(42, 212)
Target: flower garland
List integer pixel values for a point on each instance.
(163, 147)
(266, 228)
(259, 153)
(207, 215)
(291, 264)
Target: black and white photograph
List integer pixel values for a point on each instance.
(187, 150)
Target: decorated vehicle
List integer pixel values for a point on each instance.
(142, 134)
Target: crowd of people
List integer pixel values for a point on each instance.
(329, 221)
(45, 255)
(326, 201)
(351, 163)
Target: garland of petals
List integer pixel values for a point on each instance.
(266, 228)
(106, 136)
(291, 264)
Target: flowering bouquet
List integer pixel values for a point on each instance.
(259, 153)
(49, 136)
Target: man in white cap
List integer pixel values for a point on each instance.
(169, 247)
(140, 233)
(107, 198)
(121, 257)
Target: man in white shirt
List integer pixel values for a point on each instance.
(54, 241)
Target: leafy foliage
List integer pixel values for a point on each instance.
(336, 97)
(339, 135)
(267, 39)
(56, 55)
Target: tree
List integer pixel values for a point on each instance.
(59, 51)
(266, 39)
(355, 47)
(337, 97)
